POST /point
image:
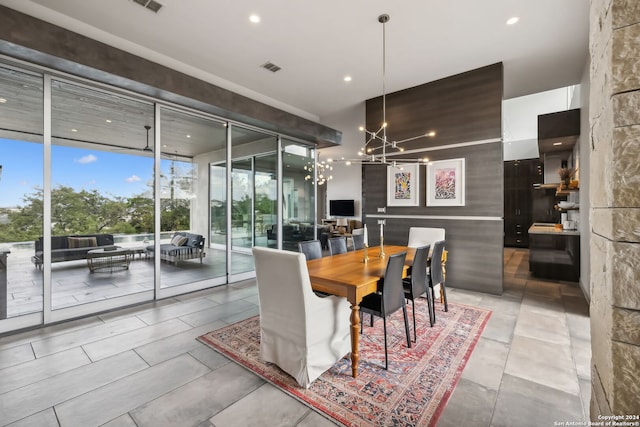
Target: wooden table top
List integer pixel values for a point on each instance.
(349, 269)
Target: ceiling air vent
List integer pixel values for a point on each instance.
(270, 66)
(153, 6)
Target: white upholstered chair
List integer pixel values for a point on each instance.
(300, 332)
(422, 236)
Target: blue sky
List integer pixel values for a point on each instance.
(108, 172)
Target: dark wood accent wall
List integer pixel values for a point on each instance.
(38, 42)
(460, 109)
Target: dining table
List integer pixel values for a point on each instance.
(354, 275)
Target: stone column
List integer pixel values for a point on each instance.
(615, 207)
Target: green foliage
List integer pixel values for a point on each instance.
(86, 212)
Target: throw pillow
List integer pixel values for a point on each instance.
(82, 242)
(179, 240)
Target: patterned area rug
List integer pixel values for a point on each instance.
(413, 392)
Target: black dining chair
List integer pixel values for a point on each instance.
(358, 241)
(337, 245)
(418, 284)
(436, 275)
(389, 300)
(311, 249)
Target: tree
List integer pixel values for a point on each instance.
(87, 212)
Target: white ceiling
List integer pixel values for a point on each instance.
(317, 43)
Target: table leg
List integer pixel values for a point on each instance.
(355, 339)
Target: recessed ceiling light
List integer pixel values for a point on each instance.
(254, 18)
(512, 20)
(188, 136)
(347, 78)
(108, 121)
(557, 143)
(3, 101)
(74, 130)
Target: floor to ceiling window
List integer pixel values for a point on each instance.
(298, 194)
(109, 199)
(101, 194)
(188, 144)
(21, 193)
(253, 194)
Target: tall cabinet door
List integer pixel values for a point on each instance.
(519, 176)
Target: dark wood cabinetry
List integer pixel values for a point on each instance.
(519, 177)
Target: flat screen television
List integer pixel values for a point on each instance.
(342, 208)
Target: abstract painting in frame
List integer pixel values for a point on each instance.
(445, 183)
(403, 183)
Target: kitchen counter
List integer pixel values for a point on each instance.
(548, 228)
(554, 254)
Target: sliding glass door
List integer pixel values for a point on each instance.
(21, 198)
(298, 195)
(109, 199)
(101, 196)
(188, 259)
(252, 201)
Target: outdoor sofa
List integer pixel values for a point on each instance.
(183, 246)
(69, 248)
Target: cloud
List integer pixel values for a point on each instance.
(86, 159)
(132, 178)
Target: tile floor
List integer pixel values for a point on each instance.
(142, 366)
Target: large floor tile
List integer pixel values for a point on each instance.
(46, 418)
(129, 340)
(136, 310)
(122, 421)
(104, 404)
(83, 336)
(260, 408)
(16, 355)
(524, 403)
(25, 401)
(581, 351)
(314, 419)
(217, 313)
(487, 363)
(500, 327)
(500, 304)
(198, 400)
(176, 310)
(542, 362)
(48, 332)
(585, 397)
(211, 358)
(39, 369)
(174, 345)
(551, 327)
(471, 404)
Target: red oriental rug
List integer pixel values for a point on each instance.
(413, 392)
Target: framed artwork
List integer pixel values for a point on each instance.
(403, 182)
(445, 183)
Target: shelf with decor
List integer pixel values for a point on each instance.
(560, 209)
(566, 191)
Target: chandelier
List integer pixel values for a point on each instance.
(323, 172)
(375, 149)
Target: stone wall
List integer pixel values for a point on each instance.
(615, 206)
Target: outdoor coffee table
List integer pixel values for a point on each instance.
(109, 259)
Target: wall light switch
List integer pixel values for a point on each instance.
(382, 210)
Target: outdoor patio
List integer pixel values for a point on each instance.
(73, 283)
